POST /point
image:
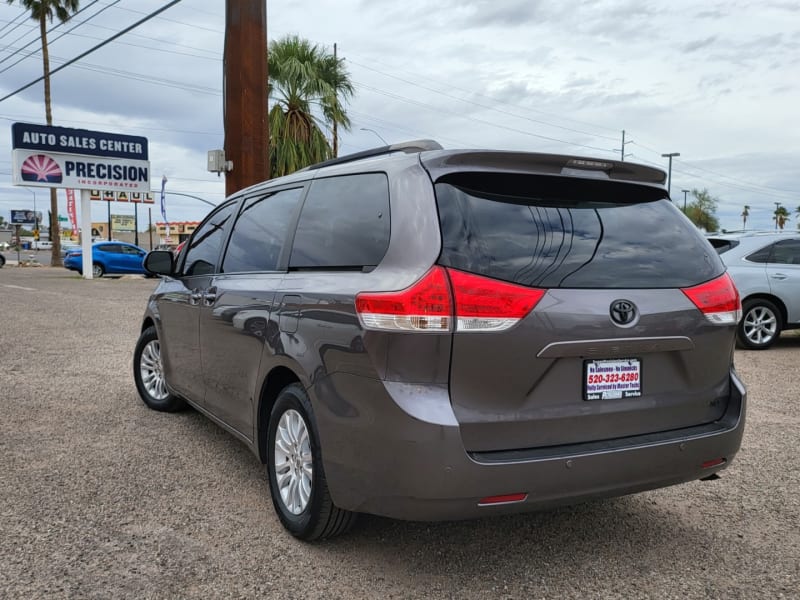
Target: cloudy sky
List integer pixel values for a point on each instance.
(717, 81)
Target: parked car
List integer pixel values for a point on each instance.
(427, 334)
(108, 258)
(765, 266)
(68, 246)
(42, 245)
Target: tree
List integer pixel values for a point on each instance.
(43, 11)
(780, 216)
(702, 211)
(745, 214)
(307, 88)
(797, 212)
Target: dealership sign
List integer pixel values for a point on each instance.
(46, 156)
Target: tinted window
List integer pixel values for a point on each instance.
(344, 223)
(206, 243)
(761, 256)
(110, 248)
(722, 246)
(131, 250)
(786, 252)
(558, 232)
(260, 232)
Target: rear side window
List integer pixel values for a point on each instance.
(761, 256)
(786, 252)
(555, 232)
(344, 223)
(722, 246)
(260, 232)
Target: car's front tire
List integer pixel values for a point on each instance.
(297, 481)
(760, 326)
(148, 373)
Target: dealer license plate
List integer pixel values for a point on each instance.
(609, 379)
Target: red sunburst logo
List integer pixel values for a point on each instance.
(41, 167)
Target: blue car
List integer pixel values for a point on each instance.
(112, 258)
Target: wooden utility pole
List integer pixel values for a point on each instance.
(245, 82)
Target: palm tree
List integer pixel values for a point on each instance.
(781, 216)
(797, 211)
(745, 214)
(307, 88)
(43, 11)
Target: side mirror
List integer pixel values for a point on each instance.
(159, 262)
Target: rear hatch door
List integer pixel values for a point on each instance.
(616, 346)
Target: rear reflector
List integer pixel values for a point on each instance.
(505, 499)
(718, 300)
(713, 463)
(475, 303)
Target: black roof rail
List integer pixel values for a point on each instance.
(408, 147)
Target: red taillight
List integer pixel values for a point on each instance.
(717, 299)
(425, 306)
(504, 499)
(484, 304)
(477, 303)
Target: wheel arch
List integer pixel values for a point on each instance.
(277, 379)
(148, 322)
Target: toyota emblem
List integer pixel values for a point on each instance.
(623, 312)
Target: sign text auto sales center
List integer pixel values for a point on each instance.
(76, 158)
(61, 157)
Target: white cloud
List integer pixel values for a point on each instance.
(716, 83)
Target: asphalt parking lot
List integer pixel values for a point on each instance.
(102, 498)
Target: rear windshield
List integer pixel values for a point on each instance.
(557, 232)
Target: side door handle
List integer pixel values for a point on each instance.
(780, 276)
(209, 296)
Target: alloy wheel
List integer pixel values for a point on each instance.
(293, 461)
(152, 371)
(760, 325)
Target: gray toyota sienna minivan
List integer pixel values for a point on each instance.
(443, 334)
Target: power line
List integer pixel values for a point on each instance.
(90, 50)
(54, 40)
(478, 104)
(477, 120)
(21, 16)
(105, 123)
(487, 97)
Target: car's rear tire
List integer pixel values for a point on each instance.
(148, 373)
(297, 481)
(760, 326)
(97, 270)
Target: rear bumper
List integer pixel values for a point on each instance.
(380, 457)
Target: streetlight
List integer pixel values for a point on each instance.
(684, 199)
(380, 137)
(669, 177)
